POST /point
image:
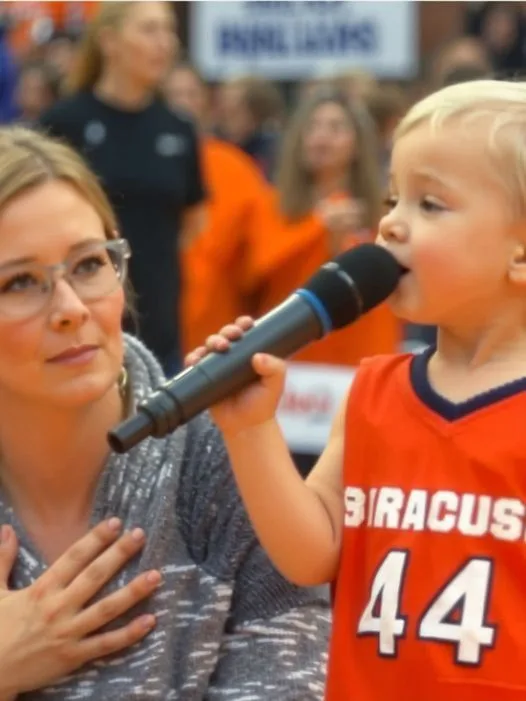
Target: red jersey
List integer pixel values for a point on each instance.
(430, 600)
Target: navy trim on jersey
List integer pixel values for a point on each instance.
(451, 411)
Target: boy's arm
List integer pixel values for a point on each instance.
(287, 512)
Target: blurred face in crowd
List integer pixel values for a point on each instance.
(59, 348)
(233, 116)
(500, 28)
(186, 92)
(328, 140)
(466, 51)
(33, 94)
(60, 53)
(144, 46)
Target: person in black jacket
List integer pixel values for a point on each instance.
(145, 155)
(501, 26)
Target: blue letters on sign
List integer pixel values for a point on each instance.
(335, 40)
(262, 6)
(254, 40)
(319, 39)
(327, 7)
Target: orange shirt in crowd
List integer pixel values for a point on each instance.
(283, 255)
(27, 14)
(214, 286)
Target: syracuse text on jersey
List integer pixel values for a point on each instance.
(441, 511)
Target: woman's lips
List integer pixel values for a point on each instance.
(75, 355)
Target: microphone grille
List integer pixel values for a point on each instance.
(355, 282)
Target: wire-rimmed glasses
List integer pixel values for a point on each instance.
(93, 270)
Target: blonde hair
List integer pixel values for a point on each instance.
(294, 182)
(262, 98)
(500, 104)
(355, 83)
(89, 60)
(29, 159)
(386, 103)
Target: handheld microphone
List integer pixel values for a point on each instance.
(340, 292)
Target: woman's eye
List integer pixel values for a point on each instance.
(19, 283)
(90, 265)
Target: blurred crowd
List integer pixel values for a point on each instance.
(271, 180)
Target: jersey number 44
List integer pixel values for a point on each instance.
(457, 614)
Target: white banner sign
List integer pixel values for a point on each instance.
(311, 398)
(313, 393)
(293, 39)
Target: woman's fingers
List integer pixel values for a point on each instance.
(116, 604)
(76, 558)
(97, 646)
(99, 572)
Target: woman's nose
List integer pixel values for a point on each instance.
(67, 308)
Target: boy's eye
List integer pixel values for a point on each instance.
(430, 205)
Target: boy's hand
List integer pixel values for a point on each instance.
(257, 403)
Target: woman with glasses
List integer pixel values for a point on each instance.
(121, 576)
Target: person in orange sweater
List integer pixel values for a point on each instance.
(34, 23)
(327, 199)
(215, 287)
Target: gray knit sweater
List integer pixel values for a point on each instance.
(228, 626)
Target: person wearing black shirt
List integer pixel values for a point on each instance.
(145, 154)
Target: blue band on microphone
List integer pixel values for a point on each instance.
(321, 312)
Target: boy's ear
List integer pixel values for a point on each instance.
(517, 267)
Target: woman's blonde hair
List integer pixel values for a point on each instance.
(29, 158)
(499, 104)
(294, 182)
(89, 60)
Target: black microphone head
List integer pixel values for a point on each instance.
(355, 282)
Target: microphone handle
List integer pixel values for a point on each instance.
(281, 332)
